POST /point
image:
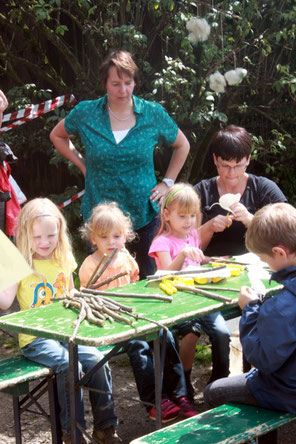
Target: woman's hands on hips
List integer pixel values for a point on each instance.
(158, 192)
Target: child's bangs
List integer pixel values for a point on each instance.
(187, 203)
(106, 223)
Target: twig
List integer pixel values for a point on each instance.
(127, 295)
(203, 292)
(95, 271)
(107, 281)
(211, 287)
(108, 261)
(80, 318)
(149, 320)
(184, 273)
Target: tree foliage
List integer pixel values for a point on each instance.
(54, 47)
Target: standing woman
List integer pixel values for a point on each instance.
(119, 132)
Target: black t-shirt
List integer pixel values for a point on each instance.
(259, 192)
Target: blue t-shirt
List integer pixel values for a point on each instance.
(122, 172)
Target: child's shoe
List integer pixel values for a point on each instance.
(187, 409)
(106, 436)
(169, 411)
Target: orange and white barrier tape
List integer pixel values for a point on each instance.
(76, 196)
(32, 112)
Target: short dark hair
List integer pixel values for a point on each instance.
(232, 142)
(124, 64)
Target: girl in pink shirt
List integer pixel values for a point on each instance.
(176, 244)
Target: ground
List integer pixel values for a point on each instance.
(133, 418)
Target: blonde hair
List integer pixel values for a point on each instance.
(185, 198)
(272, 225)
(30, 213)
(105, 217)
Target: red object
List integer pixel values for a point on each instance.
(12, 206)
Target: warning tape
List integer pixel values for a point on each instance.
(34, 111)
(76, 196)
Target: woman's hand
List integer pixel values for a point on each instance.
(220, 222)
(246, 295)
(193, 253)
(158, 192)
(241, 214)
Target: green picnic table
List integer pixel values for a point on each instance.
(54, 321)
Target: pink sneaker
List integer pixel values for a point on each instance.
(169, 411)
(187, 409)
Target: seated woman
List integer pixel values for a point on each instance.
(224, 235)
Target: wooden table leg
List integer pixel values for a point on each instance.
(158, 374)
(74, 393)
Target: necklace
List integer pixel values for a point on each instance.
(116, 117)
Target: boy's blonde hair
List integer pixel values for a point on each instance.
(30, 213)
(105, 217)
(185, 198)
(272, 225)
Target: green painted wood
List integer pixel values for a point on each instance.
(55, 321)
(19, 370)
(226, 424)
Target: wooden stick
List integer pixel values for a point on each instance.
(227, 261)
(95, 270)
(211, 287)
(185, 273)
(108, 261)
(81, 317)
(203, 292)
(149, 320)
(107, 281)
(127, 295)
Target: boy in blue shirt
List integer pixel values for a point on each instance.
(268, 327)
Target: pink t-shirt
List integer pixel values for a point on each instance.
(173, 245)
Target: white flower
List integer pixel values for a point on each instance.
(199, 30)
(217, 82)
(235, 76)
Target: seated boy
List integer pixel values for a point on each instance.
(268, 328)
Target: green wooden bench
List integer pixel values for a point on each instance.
(226, 424)
(16, 374)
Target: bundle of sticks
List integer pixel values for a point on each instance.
(97, 307)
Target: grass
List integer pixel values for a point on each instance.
(203, 354)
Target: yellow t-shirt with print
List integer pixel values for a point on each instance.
(36, 290)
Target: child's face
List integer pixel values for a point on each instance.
(181, 223)
(273, 260)
(106, 243)
(45, 237)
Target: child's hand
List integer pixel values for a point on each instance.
(193, 253)
(246, 295)
(241, 214)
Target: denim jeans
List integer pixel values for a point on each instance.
(215, 327)
(225, 390)
(140, 354)
(140, 247)
(55, 355)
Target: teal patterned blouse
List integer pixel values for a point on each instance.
(122, 172)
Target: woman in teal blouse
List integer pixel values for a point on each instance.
(119, 132)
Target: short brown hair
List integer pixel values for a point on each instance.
(232, 142)
(124, 64)
(272, 225)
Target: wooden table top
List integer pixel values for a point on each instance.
(55, 321)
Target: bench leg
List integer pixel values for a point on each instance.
(17, 420)
(55, 424)
(269, 438)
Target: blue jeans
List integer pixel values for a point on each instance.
(140, 247)
(140, 354)
(234, 389)
(55, 355)
(215, 327)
